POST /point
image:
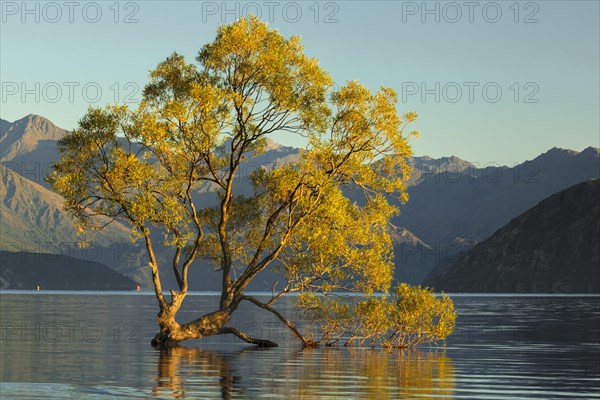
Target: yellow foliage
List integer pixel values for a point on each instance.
(192, 130)
(409, 317)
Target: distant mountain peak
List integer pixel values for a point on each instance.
(452, 158)
(591, 150)
(557, 152)
(425, 165)
(24, 135)
(270, 144)
(34, 117)
(460, 241)
(442, 161)
(558, 156)
(36, 124)
(401, 235)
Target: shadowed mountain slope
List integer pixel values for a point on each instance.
(553, 248)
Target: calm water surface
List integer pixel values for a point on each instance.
(96, 346)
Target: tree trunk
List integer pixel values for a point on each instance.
(171, 332)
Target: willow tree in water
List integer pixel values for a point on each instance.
(194, 126)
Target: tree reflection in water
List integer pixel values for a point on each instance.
(319, 373)
(182, 370)
(375, 374)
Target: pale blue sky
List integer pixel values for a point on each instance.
(551, 52)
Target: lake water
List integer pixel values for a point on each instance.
(96, 346)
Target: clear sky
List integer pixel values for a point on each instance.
(491, 81)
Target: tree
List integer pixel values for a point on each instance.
(412, 316)
(192, 129)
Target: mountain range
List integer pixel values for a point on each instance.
(552, 247)
(30, 271)
(454, 204)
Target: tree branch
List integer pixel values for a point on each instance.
(246, 338)
(305, 342)
(154, 266)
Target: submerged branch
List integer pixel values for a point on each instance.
(246, 338)
(305, 341)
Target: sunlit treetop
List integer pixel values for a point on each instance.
(321, 220)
